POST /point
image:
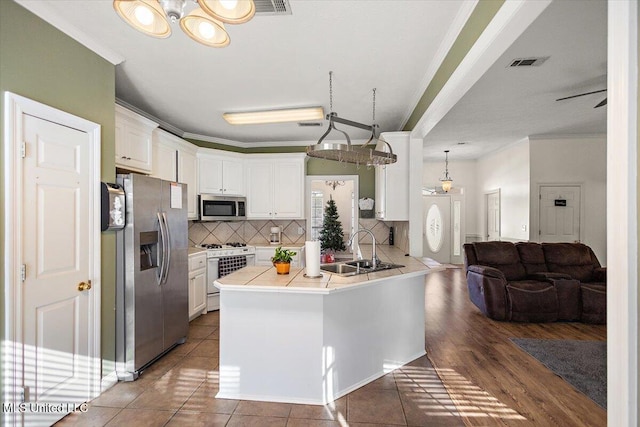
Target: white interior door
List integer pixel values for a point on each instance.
(437, 228)
(493, 216)
(559, 213)
(57, 258)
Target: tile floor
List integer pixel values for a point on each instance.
(179, 390)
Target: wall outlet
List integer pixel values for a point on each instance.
(300, 231)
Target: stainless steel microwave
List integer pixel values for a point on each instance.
(221, 208)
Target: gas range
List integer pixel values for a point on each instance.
(215, 250)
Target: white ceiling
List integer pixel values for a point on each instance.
(394, 46)
(508, 104)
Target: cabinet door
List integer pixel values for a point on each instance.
(233, 177)
(210, 175)
(396, 183)
(288, 190)
(139, 147)
(121, 149)
(259, 190)
(381, 191)
(164, 161)
(197, 293)
(187, 167)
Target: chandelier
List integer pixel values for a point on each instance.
(334, 184)
(447, 180)
(204, 24)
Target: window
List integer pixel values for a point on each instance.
(317, 213)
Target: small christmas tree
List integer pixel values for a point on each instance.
(331, 237)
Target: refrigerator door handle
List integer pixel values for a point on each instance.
(168, 251)
(163, 260)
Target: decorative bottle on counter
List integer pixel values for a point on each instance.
(390, 236)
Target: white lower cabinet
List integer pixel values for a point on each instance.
(197, 284)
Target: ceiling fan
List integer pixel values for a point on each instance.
(600, 104)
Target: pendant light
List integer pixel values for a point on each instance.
(447, 180)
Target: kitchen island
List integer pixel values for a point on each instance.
(290, 338)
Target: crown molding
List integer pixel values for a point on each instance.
(445, 46)
(45, 12)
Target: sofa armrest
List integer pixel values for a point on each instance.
(485, 270)
(600, 274)
(545, 275)
(488, 291)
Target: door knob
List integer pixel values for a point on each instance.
(84, 286)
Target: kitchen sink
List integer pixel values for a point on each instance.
(342, 269)
(352, 268)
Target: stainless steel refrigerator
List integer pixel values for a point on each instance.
(152, 295)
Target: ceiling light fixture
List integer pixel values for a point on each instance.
(334, 184)
(274, 116)
(447, 180)
(204, 24)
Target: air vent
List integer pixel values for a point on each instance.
(309, 124)
(528, 62)
(272, 7)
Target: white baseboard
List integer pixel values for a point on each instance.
(108, 381)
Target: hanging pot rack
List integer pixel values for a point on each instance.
(365, 154)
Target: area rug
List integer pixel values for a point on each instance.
(583, 364)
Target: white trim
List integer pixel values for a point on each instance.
(461, 18)
(108, 381)
(15, 107)
(47, 13)
(510, 22)
(622, 214)
(307, 195)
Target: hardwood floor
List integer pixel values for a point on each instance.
(491, 380)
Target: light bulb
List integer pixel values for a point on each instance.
(206, 30)
(229, 4)
(143, 15)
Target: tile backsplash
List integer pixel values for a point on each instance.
(250, 232)
(257, 232)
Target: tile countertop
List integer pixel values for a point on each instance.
(194, 250)
(265, 279)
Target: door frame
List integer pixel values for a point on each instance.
(486, 212)
(535, 213)
(12, 369)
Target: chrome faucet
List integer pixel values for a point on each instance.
(374, 258)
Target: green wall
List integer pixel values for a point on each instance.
(366, 176)
(483, 13)
(41, 63)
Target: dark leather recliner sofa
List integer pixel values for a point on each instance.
(536, 282)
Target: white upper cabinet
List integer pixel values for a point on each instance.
(133, 141)
(392, 181)
(220, 173)
(275, 186)
(174, 159)
(165, 156)
(187, 173)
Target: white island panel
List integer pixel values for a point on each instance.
(313, 348)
